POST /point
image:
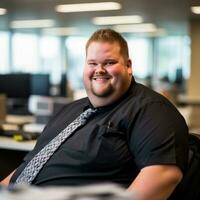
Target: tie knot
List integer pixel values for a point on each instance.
(84, 116)
(87, 113)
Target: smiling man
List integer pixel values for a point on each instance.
(107, 72)
(135, 137)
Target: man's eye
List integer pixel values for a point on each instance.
(92, 64)
(110, 63)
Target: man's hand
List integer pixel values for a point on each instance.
(6, 181)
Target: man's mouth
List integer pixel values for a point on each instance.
(101, 78)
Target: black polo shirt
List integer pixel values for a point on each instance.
(141, 129)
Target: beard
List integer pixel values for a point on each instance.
(102, 92)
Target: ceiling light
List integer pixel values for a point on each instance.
(157, 33)
(61, 31)
(83, 7)
(40, 23)
(128, 19)
(3, 11)
(135, 28)
(195, 9)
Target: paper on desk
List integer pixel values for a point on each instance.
(91, 192)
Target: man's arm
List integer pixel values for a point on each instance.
(6, 181)
(156, 182)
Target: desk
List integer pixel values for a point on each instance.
(20, 120)
(12, 153)
(11, 144)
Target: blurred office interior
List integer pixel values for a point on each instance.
(42, 50)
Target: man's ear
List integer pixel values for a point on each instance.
(129, 66)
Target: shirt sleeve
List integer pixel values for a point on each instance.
(159, 136)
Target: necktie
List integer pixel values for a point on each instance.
(38, 161)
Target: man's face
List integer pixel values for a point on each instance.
(106, 74)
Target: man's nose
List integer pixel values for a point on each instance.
(100, 68)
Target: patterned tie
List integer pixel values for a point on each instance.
(38, 161)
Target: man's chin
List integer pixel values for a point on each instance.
(101, 93)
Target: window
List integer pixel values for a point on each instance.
(140, 54)
(4, 49)
(50, 56)
(25, 53)
(173, 56)
(34, 54)
(76, 58)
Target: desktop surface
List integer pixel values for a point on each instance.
(11, 144)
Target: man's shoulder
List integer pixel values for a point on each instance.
(79, 103)
(144, 95)
(69, 111)
(75, 106)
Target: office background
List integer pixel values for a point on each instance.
(159, 37)
(42, 52)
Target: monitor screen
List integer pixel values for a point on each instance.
(63, 86)
(15, 85)
(40, 84)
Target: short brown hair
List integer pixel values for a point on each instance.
(109, 35)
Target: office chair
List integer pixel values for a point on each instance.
(189, 187)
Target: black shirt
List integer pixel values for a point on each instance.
(141, 129)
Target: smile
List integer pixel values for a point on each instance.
(101, 78)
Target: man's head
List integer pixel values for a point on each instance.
(108, 71)
(111, 36)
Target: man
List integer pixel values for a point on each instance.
(136, 137)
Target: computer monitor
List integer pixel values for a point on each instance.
(15, 85)
(63, 86)
(179, 76)
(40, 84)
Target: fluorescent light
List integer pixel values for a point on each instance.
(136, 28)
(40, 23)
(128, 19)
(158, 32)
(195, 9)
(3, 11)
(83, 7)
(61, 31)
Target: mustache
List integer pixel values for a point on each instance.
(101, 76)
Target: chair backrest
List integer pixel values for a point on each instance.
(189, 187)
